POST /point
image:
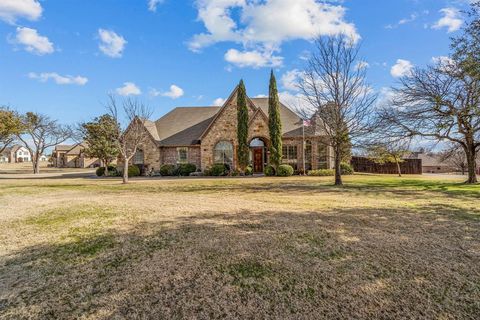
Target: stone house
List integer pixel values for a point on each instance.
(208, 135)
(73, 156)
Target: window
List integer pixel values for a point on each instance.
(182, 155)
(223, 153)
(322, 156)
(290, 155)
(138, 157)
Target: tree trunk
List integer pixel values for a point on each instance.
(106, 167)
(399, 168)
(338, 172)
(36, 163)
(125, 170)
(472, 165)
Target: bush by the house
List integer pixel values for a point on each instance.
(285, 170)
(133, 171)
(112, 171)
(321, 173)
(269, 171)
(248, 171)
(167, 170)
(217, 170)
(185, 169)
(346, 169)
(100, 171)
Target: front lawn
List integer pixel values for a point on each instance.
(298, 248)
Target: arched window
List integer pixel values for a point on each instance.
(223, 153)
(257, 143)
(138, 158)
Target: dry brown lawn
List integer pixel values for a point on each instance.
(254, 248)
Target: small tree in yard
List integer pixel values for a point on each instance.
(274, 123)
(99, 135)
(455, 156)
(40, 132)
(389, 152)
(242, 127)
(336, 93)
(10, 127)
(128, 139)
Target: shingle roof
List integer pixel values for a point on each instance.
(185, 125)
(63, 147)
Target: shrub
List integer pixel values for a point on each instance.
(269, 171)
(321, 173)
(248, 171)
(100, 171)
(185, 169)
(167, 170)
(346, 169)
(133, 171)
(285, 170)
(217, 170)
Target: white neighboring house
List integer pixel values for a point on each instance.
(17, 154)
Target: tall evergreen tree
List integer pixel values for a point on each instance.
(274, 123)
(242, 127)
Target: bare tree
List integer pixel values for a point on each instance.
(40, 132)
(455, 156)
(337, 95)
(128, 138)
(440, 103)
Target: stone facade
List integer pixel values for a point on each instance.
(170, 155)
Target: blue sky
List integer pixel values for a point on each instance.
(62, 57)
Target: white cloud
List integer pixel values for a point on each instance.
(152, 4)
(33, 42)
(45, 76)
(362, 65)
(129, 89)
(290, 79)
(442, 60)
(258, 27)
(174, 92)
(451, 20)
(401, 68)
(254, 59)
(219, 102)
(111, 43)
(11, 10)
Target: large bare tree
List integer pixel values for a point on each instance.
(337, 95)
(439, 103)
(130, 115)
(39, 133)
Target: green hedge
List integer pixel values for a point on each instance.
(185, 169)
(112, 171)
(217, 170)
(269, 171)
(133, 171)
(321, 173)
(167, 170)
(248, 171)
(285, 170)
(346, 169)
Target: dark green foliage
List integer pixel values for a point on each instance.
(100, 171)
(167, 170)
(10, 126)
(217, 170)
(248, 171)
(100, 138)
(321, 173)
(274, 123)
(185, 169)
(242, 127)
(284, 170)
(346, 168)
(133, 171)
(269, 171)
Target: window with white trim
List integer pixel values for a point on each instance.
(182, 154)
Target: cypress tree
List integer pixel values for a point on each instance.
(274, 123)
(242, 127)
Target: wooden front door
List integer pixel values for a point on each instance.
(258, 160)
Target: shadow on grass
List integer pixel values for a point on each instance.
(358, 263)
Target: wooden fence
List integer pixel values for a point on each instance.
(366, 165)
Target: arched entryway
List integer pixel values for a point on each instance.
(258, 154)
